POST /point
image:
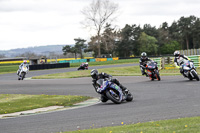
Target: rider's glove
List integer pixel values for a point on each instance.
(98, 90)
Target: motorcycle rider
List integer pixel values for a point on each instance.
(96, 75)
(143, 62)
(179, 61)
(20, 66)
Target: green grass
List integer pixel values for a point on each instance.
(117, 71)
(183, 125)
(8, 68)
(113, 62)
(10, 103)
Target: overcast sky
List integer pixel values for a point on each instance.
(27, 23)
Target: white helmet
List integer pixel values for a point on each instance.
(86, 63)
(176, 53)
(144, 55)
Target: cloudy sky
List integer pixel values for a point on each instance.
(27, 23)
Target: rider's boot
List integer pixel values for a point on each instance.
(123, 88)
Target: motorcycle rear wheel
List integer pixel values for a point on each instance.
(112, 97)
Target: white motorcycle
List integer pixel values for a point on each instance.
(24, 70)
(189, 70)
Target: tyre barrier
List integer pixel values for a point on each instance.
(48, 66)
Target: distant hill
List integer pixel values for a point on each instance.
(38, 50)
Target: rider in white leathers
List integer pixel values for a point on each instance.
(20, 66)
(179, 60)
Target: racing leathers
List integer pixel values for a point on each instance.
(20, 67)
(179, 61)
(143, 63)
(104, 76)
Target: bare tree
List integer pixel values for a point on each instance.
(97, 14)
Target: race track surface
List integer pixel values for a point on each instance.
(172, 97)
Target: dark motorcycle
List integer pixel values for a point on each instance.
(152, 70)
(189, 70)
(83, 67)
(111, 91)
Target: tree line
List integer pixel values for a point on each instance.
(134, 39)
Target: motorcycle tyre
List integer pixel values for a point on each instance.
(195, 76)
(112, 98)
(23, 76)
(103, 99)
(157, 75)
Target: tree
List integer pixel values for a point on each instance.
(148, 44)
(169, 48)
(70, 49)
(163, 36)
(2, 56)
(108, 39)
(80, 45)
(97, 14)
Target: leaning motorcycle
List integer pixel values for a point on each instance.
(23, 72)
(111, 91)
(152, 70)
(189, 70)
(83, 67)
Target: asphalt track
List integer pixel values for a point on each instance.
(172, 97)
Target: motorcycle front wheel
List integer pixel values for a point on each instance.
(195, 75)
(113, 95)
(157, 75)
(23, 75)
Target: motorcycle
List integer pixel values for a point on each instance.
(23, 72)
(83, 67)
(152, 70)
(189, 70)
(111, 91)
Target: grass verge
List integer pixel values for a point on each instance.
(13, 68)
(183, 125)
(10, 103)
(113, 62)
(8, 69)
(116, 71)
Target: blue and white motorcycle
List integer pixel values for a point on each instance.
(111, 91)
(189, 70)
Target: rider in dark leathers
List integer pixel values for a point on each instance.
(96, 75)
(143, 63)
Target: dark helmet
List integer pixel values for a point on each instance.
(144, 55)
(94, 73)
(176, 54)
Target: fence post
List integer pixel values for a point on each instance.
(163, 63)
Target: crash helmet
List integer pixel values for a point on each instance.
(24, 61)
(176, 54)
(144, 55)
(86, 63)
(94, 73)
